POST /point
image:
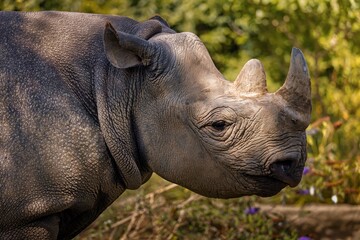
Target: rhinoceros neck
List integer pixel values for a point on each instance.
(70, 48)
(116, 92)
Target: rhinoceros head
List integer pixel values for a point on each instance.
(218, 138)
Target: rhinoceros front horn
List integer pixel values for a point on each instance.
(252, 78)
(296, 90)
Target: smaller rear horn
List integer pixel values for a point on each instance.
(252, 78)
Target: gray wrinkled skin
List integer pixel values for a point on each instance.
(91, 105)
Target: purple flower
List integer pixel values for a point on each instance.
(304, 238)
(306, 170)
(252, 210)
(303, 192)
(312, 131)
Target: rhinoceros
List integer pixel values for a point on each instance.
(92, 105)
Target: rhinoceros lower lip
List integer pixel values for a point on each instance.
(284, 171)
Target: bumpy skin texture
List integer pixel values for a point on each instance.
(57, 171)
(91, 105)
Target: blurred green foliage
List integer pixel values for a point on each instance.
(327, 31)
(171, 212)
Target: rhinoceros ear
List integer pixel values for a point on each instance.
(161, 20)
(124, 50)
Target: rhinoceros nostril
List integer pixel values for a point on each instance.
(285, 166)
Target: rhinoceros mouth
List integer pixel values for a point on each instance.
(286, 171)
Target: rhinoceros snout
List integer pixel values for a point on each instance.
(286, 170)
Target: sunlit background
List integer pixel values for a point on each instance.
(328, 33)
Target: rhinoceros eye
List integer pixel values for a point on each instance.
(219, 125)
